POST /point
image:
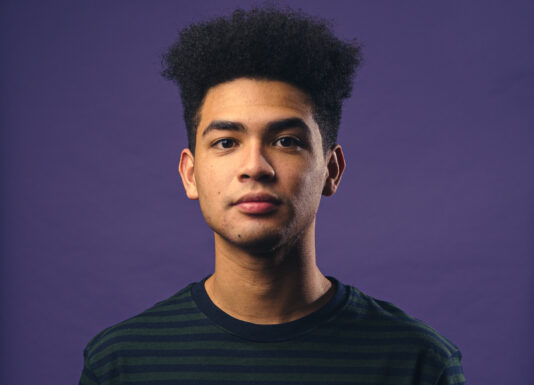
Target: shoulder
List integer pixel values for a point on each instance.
(397, 329)
(173, 310)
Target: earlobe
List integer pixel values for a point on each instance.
(186, 168)
(335, 167)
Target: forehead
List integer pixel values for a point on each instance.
(255, 101)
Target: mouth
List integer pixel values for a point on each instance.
(257, 203)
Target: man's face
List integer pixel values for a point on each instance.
(259, 169)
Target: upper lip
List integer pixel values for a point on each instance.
(258, 197)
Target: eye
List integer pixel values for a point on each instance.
(288, 141)
(224, 143)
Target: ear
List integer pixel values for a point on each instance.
(186, 168)
(335, 165)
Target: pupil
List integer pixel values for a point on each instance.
(286, 141)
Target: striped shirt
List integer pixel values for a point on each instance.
(353, 339)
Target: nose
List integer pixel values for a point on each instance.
(255, 165)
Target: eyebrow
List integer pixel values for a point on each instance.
(276, 126)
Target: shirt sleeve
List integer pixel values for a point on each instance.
(453, 373)
(88, 377)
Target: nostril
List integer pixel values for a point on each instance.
(257, 166)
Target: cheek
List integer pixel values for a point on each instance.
(205, 177)
(211, 182)
(307, 186)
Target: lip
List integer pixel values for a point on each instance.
(257, 203)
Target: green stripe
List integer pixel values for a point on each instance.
(165, 331)
(221, 345)
(166, 318)
(169, 307)
(456, 379)
(262, 362)
(86, 381)
(410, 322)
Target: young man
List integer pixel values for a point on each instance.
(262, 94)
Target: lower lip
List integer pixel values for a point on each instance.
(256, 207)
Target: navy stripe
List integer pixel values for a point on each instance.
(259, 354)
(242, 369)
(240, 382)
(163, 313)
(164, 325)
(454, 370)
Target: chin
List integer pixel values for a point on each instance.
(256, 243)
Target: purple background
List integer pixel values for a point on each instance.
(435, 211)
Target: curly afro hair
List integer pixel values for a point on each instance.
(264, 43)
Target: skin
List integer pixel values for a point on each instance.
(265, 263)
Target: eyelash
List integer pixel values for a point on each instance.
(295, 142)
(216, 143)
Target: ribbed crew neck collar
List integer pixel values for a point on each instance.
(269, 333)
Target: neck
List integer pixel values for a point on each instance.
(281, 287)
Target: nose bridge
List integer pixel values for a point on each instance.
(255, 163)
